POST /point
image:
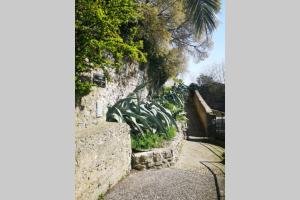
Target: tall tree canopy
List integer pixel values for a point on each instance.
(172, 29)
(158, 33)
(105, 36)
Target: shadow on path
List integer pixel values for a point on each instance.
(216, 180)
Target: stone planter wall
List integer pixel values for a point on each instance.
(103, 157)
(160, 157)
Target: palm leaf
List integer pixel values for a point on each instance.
(202, 14)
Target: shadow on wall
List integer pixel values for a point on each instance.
(212, 121)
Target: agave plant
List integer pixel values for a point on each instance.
(174, 98)
(141, 115)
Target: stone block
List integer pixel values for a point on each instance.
(167, 154)
(158, 163)
(142, 159)
(157, 157)
(150, 164)
(139, 167)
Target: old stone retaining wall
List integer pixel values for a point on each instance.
(122, 83)
(160, 157)
(204, 112)
(103, 157)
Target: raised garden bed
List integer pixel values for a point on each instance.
(158, 158)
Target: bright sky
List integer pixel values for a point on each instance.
(215, 55)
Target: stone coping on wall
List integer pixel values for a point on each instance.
(203, 103)
(160, 157)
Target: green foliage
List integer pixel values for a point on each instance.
(101, 197)
(159, 18)
(150, 140)
(181, 117)
(171, 133)
(170, 29)
(146, 141)
(164, 61)
(203, 14)
(178, 80)
(212, 91)
(142, 116)
(105, 37)
(173, 98)
(151, 120)
(203, 79)
(165, 65)
(159, 33)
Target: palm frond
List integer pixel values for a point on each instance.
(202, 14)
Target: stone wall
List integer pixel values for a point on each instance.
(122, 83)
(103, 157)
(160, 157)
(203, 110)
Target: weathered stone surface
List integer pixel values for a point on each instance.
(156, 157)
(158, 163)
(160, 157)
(167, 154)
(121, 85)
(172, 163)
(140, 167)
(150, 164)
(103, 157)
(143, 159)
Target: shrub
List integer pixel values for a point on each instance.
(181, 118)
(150, 140)
(171, 133)
(146, 141)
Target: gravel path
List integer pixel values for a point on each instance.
(197, 175)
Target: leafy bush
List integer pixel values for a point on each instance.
(146, 141)
(181, 118)
(150, 140)
(171, 133)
